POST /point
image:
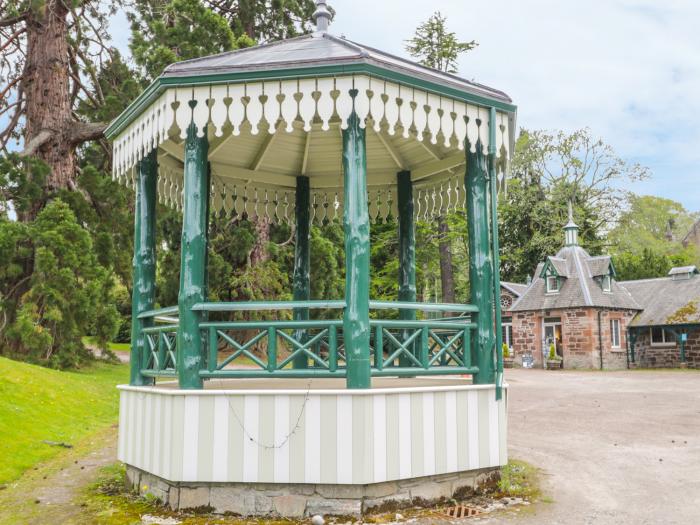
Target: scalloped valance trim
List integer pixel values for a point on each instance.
(266, 104)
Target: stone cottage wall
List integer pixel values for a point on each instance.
(580, 341)
(614, 358)
(648, 356)
(526, 336)
(579, 337)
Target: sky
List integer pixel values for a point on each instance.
(627, 69)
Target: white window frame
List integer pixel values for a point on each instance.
(507, 332)
(664, 336)
(615, 333)
(551, 289)
(606, 283)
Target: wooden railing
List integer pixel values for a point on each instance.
(270, 348)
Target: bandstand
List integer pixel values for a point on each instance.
(344, 408)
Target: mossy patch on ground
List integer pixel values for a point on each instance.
(519, 480)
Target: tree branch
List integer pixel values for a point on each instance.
(39, 140)
(84, 131)
(5, 22)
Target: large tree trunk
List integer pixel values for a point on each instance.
(446, 270)
(260, 253)
(51, 133)
(46, 86)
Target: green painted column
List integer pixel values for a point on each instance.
(144, 264)
(356, 331)
(193, 259)
(480, 264)
(407, 251)
(302, 281)
(493, 186)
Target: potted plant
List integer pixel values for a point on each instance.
(507, 356)
(553, 360)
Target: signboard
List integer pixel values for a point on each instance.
(528, 361)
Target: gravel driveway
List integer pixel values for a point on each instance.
(614, 447)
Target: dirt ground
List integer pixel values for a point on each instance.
(614, 447)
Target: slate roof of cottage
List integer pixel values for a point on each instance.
(516, 288)
(666, 301)
(559, 265)
(320, 49)
(579, 286)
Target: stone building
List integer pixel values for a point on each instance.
(575, 302)
(667, 332)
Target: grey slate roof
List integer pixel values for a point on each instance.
(516, 288)
(666, 301)
(578, 289)
(560, 266)
(598, 266)
(320, 49)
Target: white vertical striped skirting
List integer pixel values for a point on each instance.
(326, 437)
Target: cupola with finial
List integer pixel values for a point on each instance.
(571, 229)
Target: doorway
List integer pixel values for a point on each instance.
(551, 328)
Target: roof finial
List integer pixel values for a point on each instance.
(571, 229)
(322, 16)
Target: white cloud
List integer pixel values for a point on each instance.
(628, 69)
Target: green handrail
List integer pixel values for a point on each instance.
(160, 311)
(263, 325)
(440, 341)
(267, 305)
(428, 323)
(424, 307)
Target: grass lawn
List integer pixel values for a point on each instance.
(114, 347)
(38, 404)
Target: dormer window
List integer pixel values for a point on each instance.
(552, 284)
(606, 283)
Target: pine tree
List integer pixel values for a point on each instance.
(438, 48)
(47, 54)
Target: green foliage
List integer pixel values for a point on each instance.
(267, 20)
(649, 264)
(22, 184)
(37, 404)
(519, 480)
(327, 261)
(647, 242)
(164, 32)
(437, 47)
(506, 350)
(651, 222)
(553, 356)
(549, 170)
(54, 290)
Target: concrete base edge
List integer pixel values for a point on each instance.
(299, 500)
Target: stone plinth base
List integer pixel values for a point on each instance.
(302, 499)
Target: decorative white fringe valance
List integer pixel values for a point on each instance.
(243, 199)
(226, 107)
